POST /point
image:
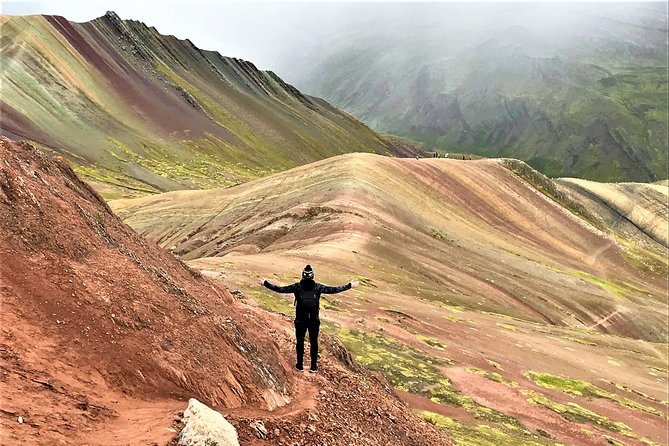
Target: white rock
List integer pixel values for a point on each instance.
(204, 426)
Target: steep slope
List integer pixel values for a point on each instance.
(142, 112)
(105, 335)
(479, 290)
(574, 89)
(637, 210)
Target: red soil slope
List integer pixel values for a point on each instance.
(104, 335)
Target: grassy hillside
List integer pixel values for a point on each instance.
(574, 90)
(140, 112)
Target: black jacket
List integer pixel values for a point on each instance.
(307, 285)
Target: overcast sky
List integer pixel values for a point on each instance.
(253, 31)
(262, 32)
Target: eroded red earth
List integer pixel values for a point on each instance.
(105, 336)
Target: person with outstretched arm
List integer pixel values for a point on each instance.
(307, 299)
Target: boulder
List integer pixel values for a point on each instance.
(206, 427)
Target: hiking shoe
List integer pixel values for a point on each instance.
(313, 369)
(299, 367)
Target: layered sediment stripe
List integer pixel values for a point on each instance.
(131, 106)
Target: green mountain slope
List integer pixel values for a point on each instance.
(141, 112)
(575, 90)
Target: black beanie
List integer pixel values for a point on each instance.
(308, 273)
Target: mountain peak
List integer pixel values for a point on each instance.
(151, 100)
(111, 15)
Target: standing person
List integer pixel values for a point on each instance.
(307, 299)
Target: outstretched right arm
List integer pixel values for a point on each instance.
(280, 289)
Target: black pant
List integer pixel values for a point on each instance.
(301, 327)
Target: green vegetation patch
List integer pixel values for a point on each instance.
(195, 163)
(453, 308)
(610, 286)
(432, 342)
(582, 341)
(411, 370)
(643, 259)
(483, 434)
(577, 414)
(333, 305)
(630, 390)
(574, 387)
(492, 376)
(330, 327)
(613, 441)
(613, 362)
(508, 327)
(272, 302)
(574, 412)
(126, 186)
(407, 369)
(577, 387)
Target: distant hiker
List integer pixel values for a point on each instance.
(463, 157)
(307, 298)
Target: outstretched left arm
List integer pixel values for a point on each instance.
(338, 289)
